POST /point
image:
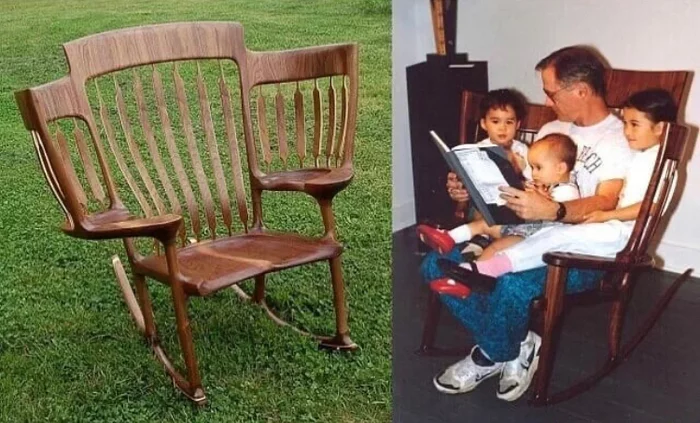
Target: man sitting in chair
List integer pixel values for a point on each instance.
(573, 81)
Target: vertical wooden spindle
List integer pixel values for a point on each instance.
(230, 127)
(340, 150)
(68, 163)
(151, 143)
(262, 129)
(318, 124)
(330, 139)
(281, 130)
(210, 136)
(175, 159)
(90, 172)
(134, 150)
(300, 127)
(116, 152)
(200, 176)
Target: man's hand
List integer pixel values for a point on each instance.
(529, 205)
(596, 216)
(455, 189)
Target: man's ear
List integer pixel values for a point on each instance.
(482, 123)
(583, 90)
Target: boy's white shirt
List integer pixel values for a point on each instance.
(638, 176)
(603, 151)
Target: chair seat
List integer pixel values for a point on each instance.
(209, 266)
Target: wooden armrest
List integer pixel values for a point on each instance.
(334, 181)
(117, 223)
(319, 182)
(584, 261)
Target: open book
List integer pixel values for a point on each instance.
(482, 169)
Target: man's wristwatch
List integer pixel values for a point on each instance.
(561, 212)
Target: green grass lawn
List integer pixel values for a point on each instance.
(68, 349)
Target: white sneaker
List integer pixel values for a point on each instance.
(518, 373)
(464, 375)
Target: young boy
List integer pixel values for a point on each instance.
(500, 114)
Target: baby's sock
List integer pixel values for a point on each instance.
(461, 233)
(495, 266)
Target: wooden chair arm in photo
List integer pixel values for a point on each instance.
(320, 182)
(584, 261)
(117, 223)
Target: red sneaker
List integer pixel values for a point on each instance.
(436, 239)
(450, 287)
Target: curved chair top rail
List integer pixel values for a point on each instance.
(111, 51)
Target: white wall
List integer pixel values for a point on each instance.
(411, 40)
(512, 35)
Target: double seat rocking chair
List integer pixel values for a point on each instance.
(141, 166)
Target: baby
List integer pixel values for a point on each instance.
(551, 162)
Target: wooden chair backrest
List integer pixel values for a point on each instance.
(620, 84)
(125, 105)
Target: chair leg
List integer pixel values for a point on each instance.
(430, 326)
(554, 294)
(617, 320)
(432, 318)
(259, 291)
(190, 386)
(341, 340)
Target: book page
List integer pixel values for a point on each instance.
(484, 173)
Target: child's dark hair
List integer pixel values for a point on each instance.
(656, 104)
(501, 99)
(563, 147)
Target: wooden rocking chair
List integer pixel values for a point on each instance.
(129, 154)
(617, 283)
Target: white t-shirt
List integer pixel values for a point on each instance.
(638, 176)
(565, 191)
(518, 148)
(603, 152)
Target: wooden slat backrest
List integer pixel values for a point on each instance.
(329, 137)
(165, 129)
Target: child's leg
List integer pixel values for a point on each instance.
(498, 245)
(466, 232)
(493, 231)
(461, 233)
(491, 264)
